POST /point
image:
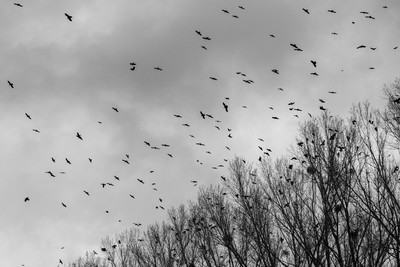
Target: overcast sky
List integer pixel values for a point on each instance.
(67, 76)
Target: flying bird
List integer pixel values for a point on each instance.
(18, 4)
(67, 160)
(69, 17)
(306, 10)
(314, 63)
(36, 130)
(51, 174)
(124, 160)
(314, 73)
(141, 181)
(331, 92)
(158, 68)
(63, 205)
(131, 196)
(360, 46)
(79, 136)
(198, 32)
(26, 199)
(116, 110)
(225, 106)
(203, 115)
(213, 78)
(275, 118)
(86, 192)
(275, 71)
(28, 116)
(10, 84)
(331, 11)
(225, 11)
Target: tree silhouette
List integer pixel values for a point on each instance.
(333, 202)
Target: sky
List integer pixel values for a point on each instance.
(69, 75)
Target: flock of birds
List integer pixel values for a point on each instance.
(226, 107)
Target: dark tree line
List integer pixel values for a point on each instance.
(334, 202)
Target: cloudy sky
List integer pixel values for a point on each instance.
(67, 76)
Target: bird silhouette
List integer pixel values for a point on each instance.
(51, 174)
(141, 181)
(213, 78)
(306, 10)
(26, 199)
(332, 92)
(67, 160)
(225, 11)
(203, 115)
(158, 68)
(314, 73)
(124, 160)
(69, 17)
(275, 71)
(331, 11)
(79, 136)
(36, 130)
(198, 32)
(361, 46)
(10, 84)
(18, 4)
(86, 192)
(225, 106)
(28, 116)
(116, 110)
(275, 118)
(314, 63)
(63, 205)
(131, 196)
